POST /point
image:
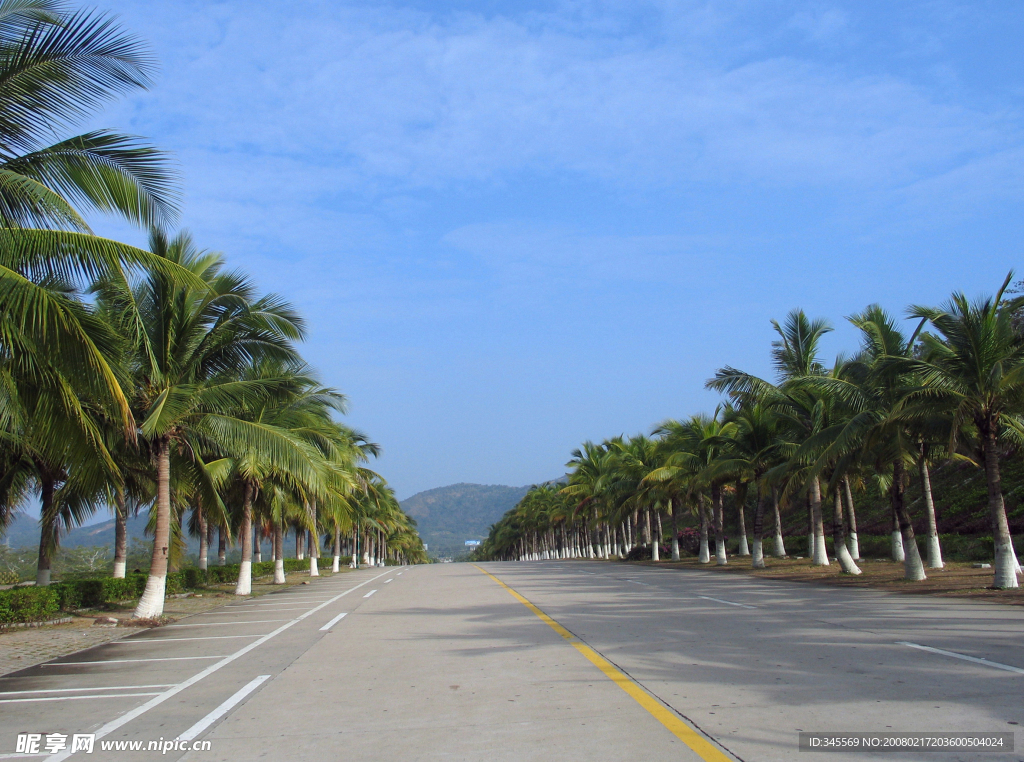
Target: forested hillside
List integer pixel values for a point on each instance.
(448, 516)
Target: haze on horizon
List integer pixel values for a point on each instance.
(516, 226)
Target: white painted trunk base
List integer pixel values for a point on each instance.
(744, 550)
(705, 554)
(896, 545)
(279, 571)
(42, 577)
(720, 558)
(314, 568)
(1006, 567)
(846, 562)
(780, 546)
(853, 545)
(820, 557)
(119, 569)
(151, 603)
(934, 553)
(244, 586)
(757, 559)
(655, 552)
(336, 564)
(913, 567)
(204, 562)
(675, 548)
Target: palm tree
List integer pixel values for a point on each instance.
(193, 345)
(973, 369)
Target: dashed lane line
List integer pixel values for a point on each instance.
(727, 603)
(369, 593)
(138, 711)
(224, 708)
(964, 657)
(334, 621)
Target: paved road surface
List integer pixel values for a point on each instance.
(444, 662)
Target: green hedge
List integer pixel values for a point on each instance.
(28, 604)
(34, 604)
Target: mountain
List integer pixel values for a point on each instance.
(448, 516)
(23, 531)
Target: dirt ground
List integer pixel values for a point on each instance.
(959, 580)
(24, 647)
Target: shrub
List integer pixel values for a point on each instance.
(28, 604)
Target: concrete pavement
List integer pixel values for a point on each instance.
(441, 662)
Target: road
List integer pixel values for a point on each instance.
(542, 660)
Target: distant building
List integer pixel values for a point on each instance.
(472, 543)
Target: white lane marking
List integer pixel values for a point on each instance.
(334, 621)
(76, 698)
(81, 690)
(224, 624)
(126, 661)
(729, 603)
(388, 580)
(965, 657)
(221, 613)
(142, 641)
(224, 708)
(369, 593)
(138, 711)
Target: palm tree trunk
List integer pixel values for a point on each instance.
(300, 543)
(896, 544)
(354, 563)
(222, 546)
(656, 544)
(719, 518)
(313, 543)
(336, 551)
(47, 533)
(211, 530)
(120, 535)
(851, 538)
(675, 529)
(204, 540)
(705, 554)
(780, 546)
(934, 548)
(819, 555)
(741, 499)
(257, 550)
(244, 585)
(279, 578)
(846, 562)
(1006, 565)
(757, 561)
(913, 569)
(151, 604)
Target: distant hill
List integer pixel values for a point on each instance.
(448, 516)
(24, 532)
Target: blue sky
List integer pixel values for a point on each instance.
(517, 226)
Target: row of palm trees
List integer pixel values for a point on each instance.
(160, 378)
(808, 441)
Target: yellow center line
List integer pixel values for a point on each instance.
(675, 725)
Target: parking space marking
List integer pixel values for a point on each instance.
(140, 641)
(138, 711)
(79, 690)
(224, 624)
(77, 698)
(127, 661)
